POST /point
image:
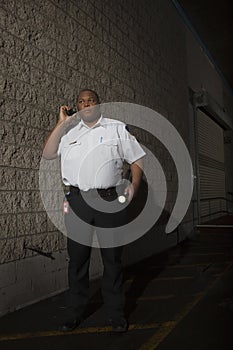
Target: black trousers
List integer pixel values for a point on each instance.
(78, 222)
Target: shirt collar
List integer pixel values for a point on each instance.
(100, 122)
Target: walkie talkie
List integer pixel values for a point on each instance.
(70, 111)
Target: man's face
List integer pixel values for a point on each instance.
(88, 106)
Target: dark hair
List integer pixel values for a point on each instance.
(94, 92)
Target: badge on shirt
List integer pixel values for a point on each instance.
(127, 128)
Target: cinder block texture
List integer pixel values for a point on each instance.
(28, 280)
(51, 49)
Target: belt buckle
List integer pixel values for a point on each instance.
(93, 193)
(108, 192)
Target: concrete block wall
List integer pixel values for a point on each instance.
(130, 51)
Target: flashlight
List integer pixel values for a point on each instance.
(122, 199)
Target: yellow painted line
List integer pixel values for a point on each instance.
(89, 330)
(151, 298)
(191, 265)
(216, 275)
(177, 265)
(197, 254)
(159, 297)
(166, 328)
(172, 278)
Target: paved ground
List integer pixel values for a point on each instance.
(180, 299)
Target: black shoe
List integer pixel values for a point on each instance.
(69, 326)
(119, 325)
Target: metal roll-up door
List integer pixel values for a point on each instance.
(211, 167)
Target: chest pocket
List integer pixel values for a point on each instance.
(108, 151)
(109, 143)
(72, 150)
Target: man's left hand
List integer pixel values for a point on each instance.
(130, 192)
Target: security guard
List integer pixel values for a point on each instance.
(92, 155)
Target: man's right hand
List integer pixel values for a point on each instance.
(62, 115)
(51, 145)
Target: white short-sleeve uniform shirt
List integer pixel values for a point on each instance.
(93, 157)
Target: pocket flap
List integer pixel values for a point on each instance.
(110, 143)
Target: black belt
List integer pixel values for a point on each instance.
(95, 191)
